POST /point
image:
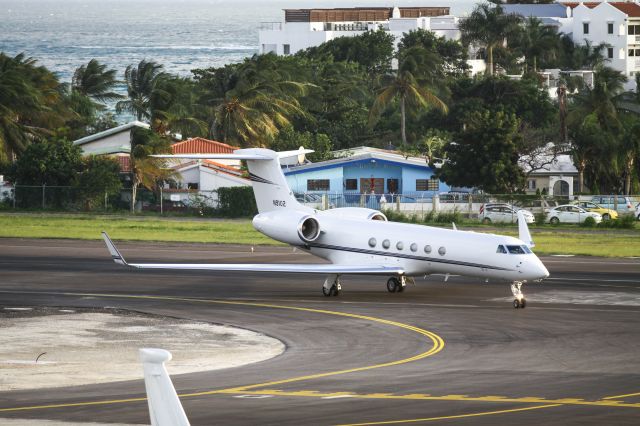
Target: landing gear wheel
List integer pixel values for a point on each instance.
(523, 303)
(516, 303)
(335, 290)
(327, 291)
(331, 286)
(393, 285)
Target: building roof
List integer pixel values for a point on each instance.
(109, 132)
(553, 10)
(367, 157)
(631, 9)
(202, 146)
(360, 14)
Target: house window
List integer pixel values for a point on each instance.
(392, 186)
(317, 184)
(631, 52)
(610, 52)
(432, 184)
(585, 28)
(531, 184)
(286, 49)
(634, 29)
(351, 184)
(609, 27)
(192, 185)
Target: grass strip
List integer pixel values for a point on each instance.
(605, 243)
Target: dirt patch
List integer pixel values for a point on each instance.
(64, 347)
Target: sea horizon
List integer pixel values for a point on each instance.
(182, 35)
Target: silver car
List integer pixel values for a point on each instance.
(503, 213)
(569, 213)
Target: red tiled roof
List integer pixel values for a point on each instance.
(631, 9)
(589, 4)
(202, 146)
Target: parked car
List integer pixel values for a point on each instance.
(503, 213)
(539, 206)
(624, 204)
(607, 214)
(167, 206)
(569, 213)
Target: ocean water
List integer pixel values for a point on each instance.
(180, 34)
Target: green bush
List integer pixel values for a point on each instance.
(237, 202)
(589, 222)
(626, 221)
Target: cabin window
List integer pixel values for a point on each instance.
(442, 251)
(414, 247)
(351, 184)
(501, 249)
(516, 249)
(372, 242)
(318, 184)
(427, 249)
(386, 244)
(400, 245)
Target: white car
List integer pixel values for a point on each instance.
(503, 213)
(638, 211)
(569, 213)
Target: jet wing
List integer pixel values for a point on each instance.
(257, 267)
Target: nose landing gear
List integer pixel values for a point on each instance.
(519, 301)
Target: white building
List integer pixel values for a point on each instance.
(554, 14)
(556, 178)
(616, 24)
(304, 28)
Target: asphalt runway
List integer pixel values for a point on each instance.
(450, 353)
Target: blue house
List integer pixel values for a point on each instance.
(363, 175)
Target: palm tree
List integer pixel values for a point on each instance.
(630, 150)
(412, 84)
(602, 99)
(141, 86)
(146, 170)
(258, 99)
(29, 103)
(95, 81)
(489, 26)
(537, 41)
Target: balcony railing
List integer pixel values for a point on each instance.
(270, 26)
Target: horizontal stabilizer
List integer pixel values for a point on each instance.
(259, 267)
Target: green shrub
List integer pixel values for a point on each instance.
(626, 221)
(236, 202)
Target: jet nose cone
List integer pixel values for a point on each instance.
(544, 273)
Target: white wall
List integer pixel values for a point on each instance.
(114, 141)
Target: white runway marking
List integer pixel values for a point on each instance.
(582, 298)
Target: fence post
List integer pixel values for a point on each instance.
(470, 206)
(43, 193)
(161, 203)
(106, 200)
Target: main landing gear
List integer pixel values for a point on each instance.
(396, 285)
(519, 301)
(331, 286)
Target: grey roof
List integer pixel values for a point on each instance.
(553, 10)
(110, 132)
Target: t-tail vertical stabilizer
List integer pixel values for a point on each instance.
(269, 184)
(165, 408)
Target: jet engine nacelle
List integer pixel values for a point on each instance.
(355, 213)
(289, 226)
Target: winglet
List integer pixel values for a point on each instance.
(115, 254)
(165, 408)
(523, 230)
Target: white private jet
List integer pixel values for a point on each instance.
(360, 241)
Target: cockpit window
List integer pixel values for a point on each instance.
(516, 249)
(526, 249)
(501, 249)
